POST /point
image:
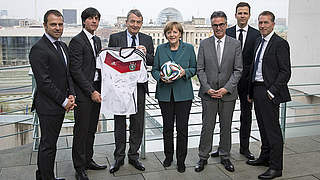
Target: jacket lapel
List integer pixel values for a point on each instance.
(269, 44)
(123, 39)
(87, 42)
(168, 52)
(53, 49)
(225, 50)
(180, 50)
(213, 50)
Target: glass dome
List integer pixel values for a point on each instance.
(169, 14)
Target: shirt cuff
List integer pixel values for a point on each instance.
(65, 102)
(271, 95)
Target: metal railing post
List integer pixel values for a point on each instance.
(283, 115)
(36, 140)
(143, 143)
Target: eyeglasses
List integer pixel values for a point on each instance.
(220, 25)
(134, 21)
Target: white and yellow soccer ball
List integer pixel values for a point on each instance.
(170, 71)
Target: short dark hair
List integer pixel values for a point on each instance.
(170, 25)
(89, 12)
(267, 13)
(243, 4)
(51, 11)
(217, 14)
(135, 12)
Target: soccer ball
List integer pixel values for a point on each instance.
(170, 71)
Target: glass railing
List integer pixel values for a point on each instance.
(19, 126)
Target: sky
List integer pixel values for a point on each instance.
(110, 9)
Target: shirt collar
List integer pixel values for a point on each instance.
(245, 28)
(222, 39)
(129, 35)
(51, 39)
(268, 37)
(89, 35)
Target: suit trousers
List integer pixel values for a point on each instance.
(179, 112)
(135, 129)
(86, 120)
(50, 126)
(245, 115)
(210, 109)
(267, 114)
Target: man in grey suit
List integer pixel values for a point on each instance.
(219, 69)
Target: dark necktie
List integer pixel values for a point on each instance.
(133, 41)
(94, 38)
(241, 37)
(256, 63)
(57, 43)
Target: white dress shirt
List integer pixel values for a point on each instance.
(129, 39)
(244, 34)
(259, 76)
(223, 40)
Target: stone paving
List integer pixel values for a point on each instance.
(301, 162)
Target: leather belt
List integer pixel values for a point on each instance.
(258, 83)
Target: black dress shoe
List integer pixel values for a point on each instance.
(94, 166)
(81, 175)
(167, 162)
(181, 168)
(227, 165)
(200, 165)
(60, 179)
(215, 153)
(38, 175)
(258, 162)
(116, 166)
(247, 154)
(137, 164)
(270, 174)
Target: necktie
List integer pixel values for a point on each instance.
(241, 37)
(133, 41)
(98, 71)
(94, 38)
(256, 63)
(57, 43)
(219, 51)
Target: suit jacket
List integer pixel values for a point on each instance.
(83, 65)
(54, 83)
(182, 88)
(276, 68)
(213, 76)
(247, 54)
(120, 40)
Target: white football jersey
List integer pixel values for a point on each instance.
(121, 70)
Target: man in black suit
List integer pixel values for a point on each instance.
(128, 38)
(54, 93)
(268, 88)
(247, 36)
(84, 49)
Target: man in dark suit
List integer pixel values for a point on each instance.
(128, 38)
(247, 36)
(268, 88)
(219, 70)
(84, 49)
(54, 93)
